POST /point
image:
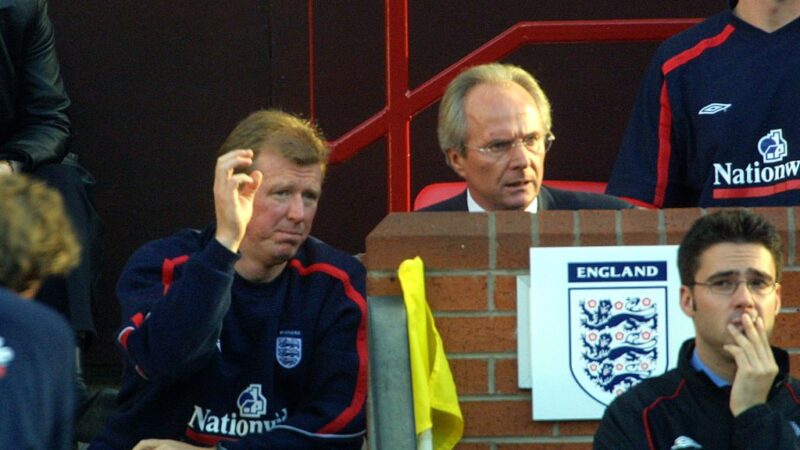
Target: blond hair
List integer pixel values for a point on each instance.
(292, 137)
(36, 238)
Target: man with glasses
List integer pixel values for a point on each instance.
(495, 129)
(730, 389)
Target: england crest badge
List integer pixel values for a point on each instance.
(289, 348)
(617, 338)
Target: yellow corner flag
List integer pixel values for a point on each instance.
(436, 409)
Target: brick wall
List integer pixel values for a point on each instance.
(471, 262)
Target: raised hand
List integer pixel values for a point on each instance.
(233, 196)
(755, 364)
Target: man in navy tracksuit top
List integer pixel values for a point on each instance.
(731, 390)
(249, 334)
(717, 119)
(37, 346)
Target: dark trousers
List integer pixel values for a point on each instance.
(74, 295)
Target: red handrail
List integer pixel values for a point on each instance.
(402, 104)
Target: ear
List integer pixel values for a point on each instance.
(687, 301)
(456, 161)
(777, 299)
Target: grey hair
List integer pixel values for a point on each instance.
(452, 128)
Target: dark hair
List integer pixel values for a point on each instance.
(738, 226)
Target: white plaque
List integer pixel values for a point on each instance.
(601, 320)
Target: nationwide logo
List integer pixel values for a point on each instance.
(773, 147)
(251, 403)
(289, 348)
(713, 108)
(203, 421)
(6, 356)
(772, 168)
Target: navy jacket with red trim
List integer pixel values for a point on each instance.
(213, 358)
(684, 409)
(717, 120)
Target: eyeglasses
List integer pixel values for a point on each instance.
(533, 143)
(756, 286)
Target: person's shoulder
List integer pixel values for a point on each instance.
(316, 251)
(560, 199)
(37, 323)
(649, 390)
(183, 242)
(692, 36)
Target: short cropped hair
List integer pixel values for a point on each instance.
(452, 128)
(36, 238)
(738, 226)
(292, 137)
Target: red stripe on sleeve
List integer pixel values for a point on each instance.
(692, 53)
(664, 147)
(360, 393)
(168, 270)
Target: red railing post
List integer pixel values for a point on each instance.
(398, 171)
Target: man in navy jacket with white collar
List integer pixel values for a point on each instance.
(495, 129)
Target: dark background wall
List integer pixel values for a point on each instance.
(156, 86)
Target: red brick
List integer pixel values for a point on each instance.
(790, 290)
(456, 293)
(444, 293)
(505, 293)
(383, 286)
(478, 334)
(505, 377)
(796, 213)
(677, 222)
(597, 227)
(547, 446)
(640, 227)
(472, 446)
(502, 418)
(470, 375)
(513, 237)
(556, 228)
(578, 428)
(444, 240)
(794, 365)
(787, 331)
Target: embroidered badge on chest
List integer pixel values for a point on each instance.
(289, 348)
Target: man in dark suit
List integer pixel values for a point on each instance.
(495, 129)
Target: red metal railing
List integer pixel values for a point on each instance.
(402, 104)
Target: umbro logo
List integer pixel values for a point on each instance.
(713, 108)
(685, 443)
